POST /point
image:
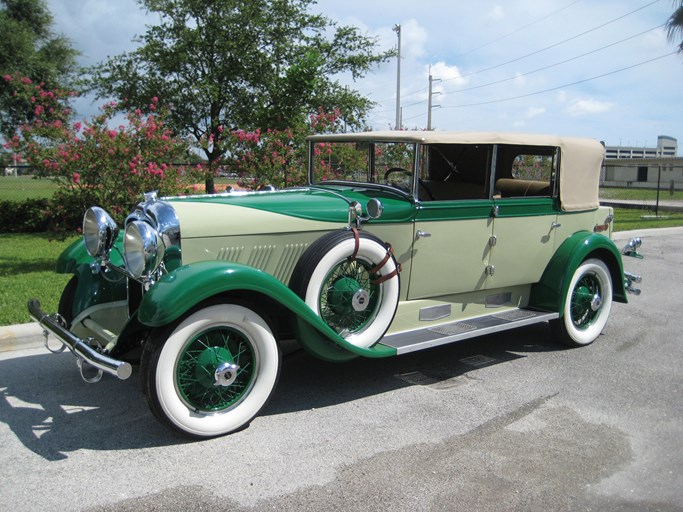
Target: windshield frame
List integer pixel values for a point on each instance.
(374, 171)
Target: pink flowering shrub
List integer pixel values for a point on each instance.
(273, 157)
(100, 162)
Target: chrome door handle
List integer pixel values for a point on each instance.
(423, 234)
(555, 225)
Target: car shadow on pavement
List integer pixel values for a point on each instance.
(52, 412)
(307, 383)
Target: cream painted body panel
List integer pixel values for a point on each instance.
(206, 220)
(570, 223)
(452, 260)
(462, 307)
(522, 250)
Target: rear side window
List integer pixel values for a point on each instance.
(524, 171)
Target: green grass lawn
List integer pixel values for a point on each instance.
(626, 219)
(18, 188)
(27, 263)
(639, 194)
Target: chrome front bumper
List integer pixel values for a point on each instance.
(83, 351)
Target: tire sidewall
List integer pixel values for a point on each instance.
(601, 272)
(209, 424)
(372, 252)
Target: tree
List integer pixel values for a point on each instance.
(674, 25)
(29, 47)
(224, 65)
(96, 162)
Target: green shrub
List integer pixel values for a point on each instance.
(28, 216)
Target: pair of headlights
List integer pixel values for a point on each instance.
(143, 247)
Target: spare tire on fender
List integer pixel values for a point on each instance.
(350, 279)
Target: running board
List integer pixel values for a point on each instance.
(412, 341)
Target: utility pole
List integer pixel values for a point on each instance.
(397, 29)
(429, 103)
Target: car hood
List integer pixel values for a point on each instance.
(302, 209)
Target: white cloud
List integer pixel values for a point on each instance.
(581, 107)
(534, 111)
(413, 39)
(496, 13)
(446, 73)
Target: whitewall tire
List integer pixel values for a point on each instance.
(213, 371)
(587, 305)
(351, 281)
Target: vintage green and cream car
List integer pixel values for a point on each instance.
(401, 241)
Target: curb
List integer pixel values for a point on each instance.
(20, 337)
(25, 336)
(664, 206)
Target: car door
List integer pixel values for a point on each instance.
(525, 214)
(453, 222)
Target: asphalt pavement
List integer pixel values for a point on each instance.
(505, 422)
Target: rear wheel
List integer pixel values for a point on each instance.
(587, 305)
(211, 373)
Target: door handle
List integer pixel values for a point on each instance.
(423, 234)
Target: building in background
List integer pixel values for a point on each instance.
(643, 167)
(666, 147)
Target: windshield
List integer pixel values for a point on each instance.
(381, 163)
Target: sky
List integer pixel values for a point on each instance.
(591, 68)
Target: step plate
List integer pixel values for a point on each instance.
(457, 331)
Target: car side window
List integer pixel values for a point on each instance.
(451, 172)
(526, 171)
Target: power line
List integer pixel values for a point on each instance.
(501, 100)
(554, 44)
(536, 51)
(519, 29)
(558, 63)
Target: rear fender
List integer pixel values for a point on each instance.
(187, 286)
(550, 293)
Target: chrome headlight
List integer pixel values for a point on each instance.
(99, 232)
(143, 249)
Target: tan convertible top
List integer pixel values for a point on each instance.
(580, 161)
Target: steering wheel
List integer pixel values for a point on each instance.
(400, 184)
(394, 170)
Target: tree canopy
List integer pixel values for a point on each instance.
(240, 64)
(674, 25)
(29, 48)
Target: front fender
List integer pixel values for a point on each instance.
(76, 254)
(180, 290)
(550, 293)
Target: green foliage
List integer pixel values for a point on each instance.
(674, 25)
(95, 164)
(29, 48)
(240, 64)
(28, 216)
(274, 157)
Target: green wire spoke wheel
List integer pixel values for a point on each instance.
(212, 371)
(587, 305)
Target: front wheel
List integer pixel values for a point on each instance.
(587, 305)
(212, 372)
